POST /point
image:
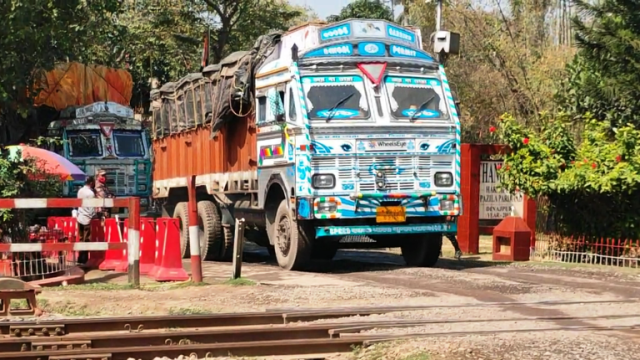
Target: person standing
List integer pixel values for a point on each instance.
(456, 246)
(102, 191)
(85, 215)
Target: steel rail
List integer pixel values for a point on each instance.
(463, 305)
(266, 348)
(140, 323)
(393, 336)
(241, 334)
(269, 317)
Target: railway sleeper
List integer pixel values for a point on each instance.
(81, 357)
(37, 330)
(61, 345)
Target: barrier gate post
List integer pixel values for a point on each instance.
(133, 245)
(194, 232)
(133, 242)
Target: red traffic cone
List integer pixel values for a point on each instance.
(112, 258)
(161, 234)
(171, 263)
(123, 266)
(147, 245)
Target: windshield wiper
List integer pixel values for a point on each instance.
(333, 109)
(421, 108)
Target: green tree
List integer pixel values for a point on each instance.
(363, 9)
(36, 34)
(239, 23)
(604, 76)
(162, 42)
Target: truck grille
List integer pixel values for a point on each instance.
(400, 171)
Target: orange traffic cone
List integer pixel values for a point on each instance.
(161, 234)
(171, 263)
(147, 247)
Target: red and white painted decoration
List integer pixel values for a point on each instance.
(61, 203)
(39, 247)
(106, 128)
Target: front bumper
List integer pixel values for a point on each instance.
(365, 230)
(366, 205)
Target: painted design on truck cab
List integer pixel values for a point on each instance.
(107, 137)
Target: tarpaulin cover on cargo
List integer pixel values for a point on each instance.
(75, 84)
(220, 93)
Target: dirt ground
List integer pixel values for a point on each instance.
(380, 278)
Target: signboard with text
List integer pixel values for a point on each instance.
(496, 203)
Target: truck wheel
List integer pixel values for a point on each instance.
(291, 239)
(181, 212)
(422, 250)
(324, 251)
(212, 242)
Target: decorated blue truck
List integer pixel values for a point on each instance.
(354, 141)
(106, 136)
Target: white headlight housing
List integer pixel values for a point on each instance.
(446, 205)
(328, 207)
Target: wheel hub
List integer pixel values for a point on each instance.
(284, 235)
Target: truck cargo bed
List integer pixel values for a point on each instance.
(193, 152)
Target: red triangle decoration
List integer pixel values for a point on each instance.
(374, 71)
(106, 128)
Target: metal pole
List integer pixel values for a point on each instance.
(438, 14)
(194, 238)
(238, 248)
(133, 243)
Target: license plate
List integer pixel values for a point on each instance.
(391, 214)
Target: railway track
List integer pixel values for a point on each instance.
(244, 334)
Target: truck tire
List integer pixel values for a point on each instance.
(213, 246)
(181, 212)
(291, 239)
(422, 250)
(324, 251)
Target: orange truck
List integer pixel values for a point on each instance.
(327, 136)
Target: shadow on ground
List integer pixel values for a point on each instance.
(354, 261)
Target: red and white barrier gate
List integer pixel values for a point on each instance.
(160, 256)
(132, 246)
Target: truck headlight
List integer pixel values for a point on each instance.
(323, 181)
(446, 205)
(328, 207)
(142, 187)
(443, 179)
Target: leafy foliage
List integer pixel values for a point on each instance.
(594, 187)
(23, 179)
(506, 64)
(163, 42)
(604, 76)
(363, 9)
(36, 34)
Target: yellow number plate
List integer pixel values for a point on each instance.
(391, 214)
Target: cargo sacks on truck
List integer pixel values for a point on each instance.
(221, 93)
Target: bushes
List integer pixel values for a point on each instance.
(593, 188)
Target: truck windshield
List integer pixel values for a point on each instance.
(128, 143)
(85, 143)
(409, 94)
(326, 97)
